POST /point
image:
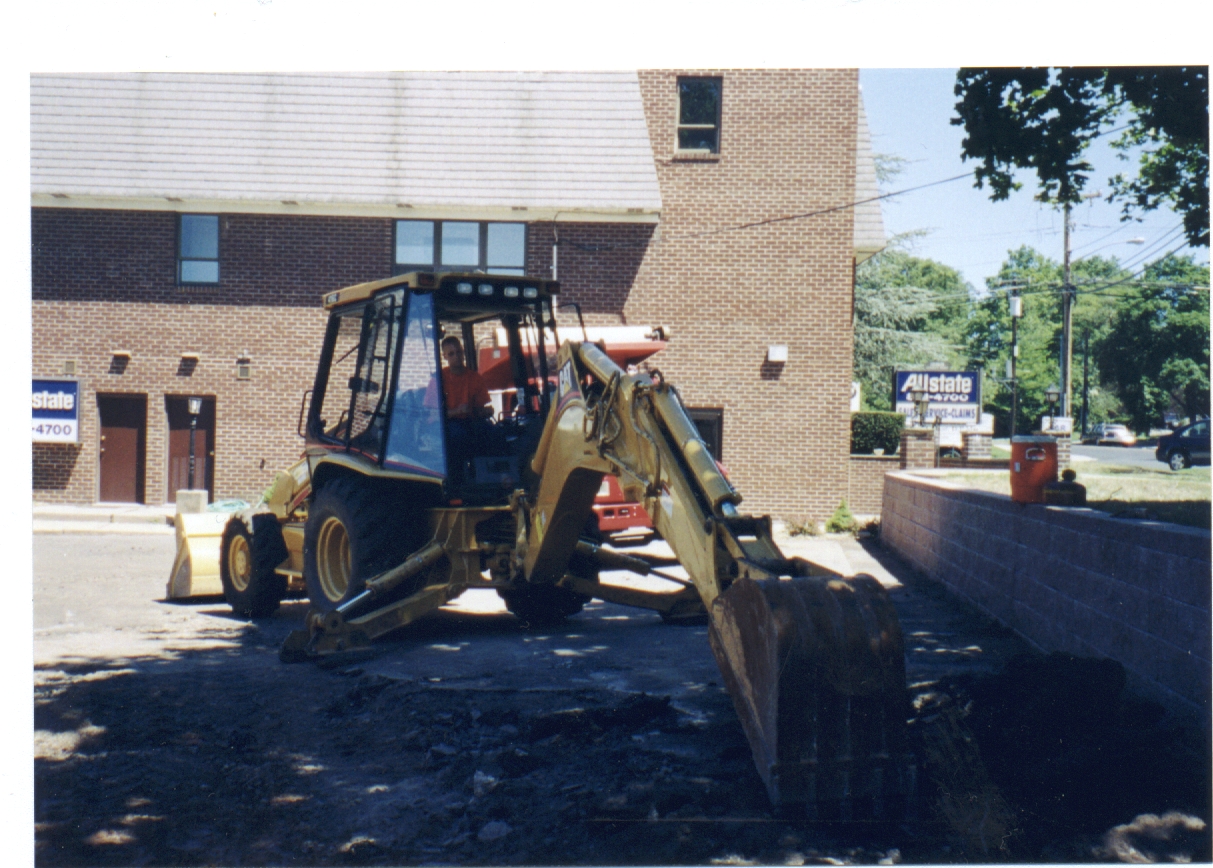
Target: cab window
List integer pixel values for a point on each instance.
(415, 437)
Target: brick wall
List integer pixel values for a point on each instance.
(917, 448)
(254, 418)
(1067, 579)
(106, 280)
(787, 146)
(131, 256)
(865, 481)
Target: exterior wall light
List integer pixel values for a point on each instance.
(777, 354)
(195, 407)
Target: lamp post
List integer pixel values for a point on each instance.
(919, 398)
(195, 407)
(1052, 395)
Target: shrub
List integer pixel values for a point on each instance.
(808, 527)
(876, 431)
(841, 521)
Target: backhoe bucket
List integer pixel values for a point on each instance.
(196, 567)
(816, 670)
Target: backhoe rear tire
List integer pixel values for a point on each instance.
(246, 566)
(356, 529)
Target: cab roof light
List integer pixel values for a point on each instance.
(486, 289)
(463, 288)
(510, 292)
(530, 292)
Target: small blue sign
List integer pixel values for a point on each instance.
(56, 411)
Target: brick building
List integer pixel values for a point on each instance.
(184, 227)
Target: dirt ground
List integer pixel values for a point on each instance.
(170, 734)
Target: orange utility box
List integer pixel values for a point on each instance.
(1033, 464)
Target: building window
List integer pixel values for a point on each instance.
(456, 245)
(710, 422)
(198, 248)
(699, 114)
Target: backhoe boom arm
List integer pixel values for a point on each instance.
(813, 662)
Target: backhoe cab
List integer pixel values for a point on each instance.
(396, 509)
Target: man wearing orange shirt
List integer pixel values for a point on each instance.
(467, 409)
(466, 396)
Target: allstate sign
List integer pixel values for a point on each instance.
(953, 397)
(56, 408)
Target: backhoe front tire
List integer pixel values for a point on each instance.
(355, 530)
(246, 566)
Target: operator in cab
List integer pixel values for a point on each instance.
(468, 409)
(466, 396)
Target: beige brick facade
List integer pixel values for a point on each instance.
(105, 279)
(786, 148)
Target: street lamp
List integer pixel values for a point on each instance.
(195, 407)
(1052, 395)
(918, 397)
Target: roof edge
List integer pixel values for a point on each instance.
(348, 209)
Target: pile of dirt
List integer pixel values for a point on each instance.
(1052, 757)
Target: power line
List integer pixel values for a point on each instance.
(599, 248)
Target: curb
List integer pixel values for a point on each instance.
(42, 526)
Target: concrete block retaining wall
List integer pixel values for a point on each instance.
(1067, 579)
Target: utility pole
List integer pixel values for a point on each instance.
(1067, 314)
(1016, 312)
(1067, 304)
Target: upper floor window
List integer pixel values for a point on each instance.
(699, 114)
(198, 248)
(456, 245)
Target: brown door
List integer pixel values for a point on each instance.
(179, 446)
(123, 447)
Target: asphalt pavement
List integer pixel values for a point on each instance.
(1141, 455)
(1125, 456)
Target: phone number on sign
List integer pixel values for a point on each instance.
(54, 430)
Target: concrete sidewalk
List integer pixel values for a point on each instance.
(103, 518)
(839, 552)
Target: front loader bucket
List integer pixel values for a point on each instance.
(196, 567)
(816, 669)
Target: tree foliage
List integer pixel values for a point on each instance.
(1038, 280)
(1156, 350)
(906, 316)
(1043, 119)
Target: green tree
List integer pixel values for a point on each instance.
(904, 318)
(1043, 119)
(1156, 351)
(987, 334)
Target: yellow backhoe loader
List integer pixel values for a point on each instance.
(396, 509)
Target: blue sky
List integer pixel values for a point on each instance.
(908, 113)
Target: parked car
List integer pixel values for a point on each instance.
(1185, 447)
(1107, 434)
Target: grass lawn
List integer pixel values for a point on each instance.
(1182, 498)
